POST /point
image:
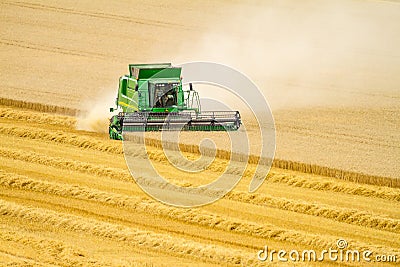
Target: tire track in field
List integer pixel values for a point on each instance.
(54, 49)
(86, 142)
(162, 243)
(101, 15)
(193, 216)
(351, 216)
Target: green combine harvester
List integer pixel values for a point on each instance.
(151, 98)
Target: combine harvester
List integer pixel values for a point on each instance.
(152, 98)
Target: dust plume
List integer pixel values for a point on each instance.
(96, 113)
(314, 53)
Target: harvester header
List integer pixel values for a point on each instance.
(152, 98)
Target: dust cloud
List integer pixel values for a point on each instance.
(299, 53)
(96, 113)
(314, 53)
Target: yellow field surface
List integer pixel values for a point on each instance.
(67, 198)
(330, 73)
(341, 57)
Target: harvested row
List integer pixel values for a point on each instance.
(222, 154)
(43, 118)
(38, 107)
(61, 137)
(336, 186)
(281, 164)
(50, 251)
(83, 167)
(315, 183)
(355, 177)
(146, 239)
(351, 216)
(66, 164)
(194, 216)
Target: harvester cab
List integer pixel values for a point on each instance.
(152, 98)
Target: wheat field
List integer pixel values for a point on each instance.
(63, 203)
(328, 69)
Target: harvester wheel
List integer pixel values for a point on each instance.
(114, 133)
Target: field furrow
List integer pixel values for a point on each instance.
(86, 142)
(352, 216)
(150, 240)
(150, 207)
